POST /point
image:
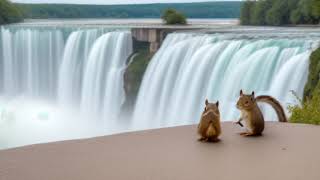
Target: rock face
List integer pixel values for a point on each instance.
(153, 36)
(146, 42)
(137, 64)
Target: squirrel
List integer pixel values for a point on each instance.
(252, 115)
(209, 127)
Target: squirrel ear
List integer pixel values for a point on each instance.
(217, 104)
(207, 102)
(253, 93)
(241, 92)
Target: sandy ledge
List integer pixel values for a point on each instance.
(286, 152)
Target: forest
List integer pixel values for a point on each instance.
(280, 12)
(9, 13)
(230, 9)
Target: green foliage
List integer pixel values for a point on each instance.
(171, 16)
(313, 82)
(280, 12)
(245, 13)
(134, 74)
(316, 8)
(191, 10)
(274, 17)
(135, 71)
(296, 16)
(259, 12)
(308, 113)
(9, 13)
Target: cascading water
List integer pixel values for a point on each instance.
(70, 74)
(67, 83)
(190, 68)
(52, 90)
(102, 89)
(30, 59)
(91, 72)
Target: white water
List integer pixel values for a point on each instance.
(102, 89)
(190, 68)
(66, 83)
(60, 83)
(30, 60)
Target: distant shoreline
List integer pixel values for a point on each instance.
(129, 23)
(209, 25)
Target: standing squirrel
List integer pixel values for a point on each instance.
(252, 115)
(209, 127)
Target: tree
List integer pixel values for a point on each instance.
(9, 13)
(296, 16)
(305, 12)
(279, 14)
(316, 8)
(259, 12)
(172, 16)
(245, 13)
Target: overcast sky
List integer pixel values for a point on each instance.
(109, 1)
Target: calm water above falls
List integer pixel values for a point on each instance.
(66, 83)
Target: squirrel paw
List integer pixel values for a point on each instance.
(250, 134)
(213, 140)
(202, 139)
(244, 133)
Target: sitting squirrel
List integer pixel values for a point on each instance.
(209, 127)
(252, 115)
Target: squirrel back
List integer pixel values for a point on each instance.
(209, 127)
(275, 105)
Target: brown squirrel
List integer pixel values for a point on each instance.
(209, 127)
(252, 115)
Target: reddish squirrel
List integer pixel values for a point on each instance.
(252, 115)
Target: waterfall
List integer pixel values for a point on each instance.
(30, 59)
(102, 89)
(76, 53)
(86, 71)
(190, 68)
(60, 83)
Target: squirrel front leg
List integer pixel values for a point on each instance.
(239, 121)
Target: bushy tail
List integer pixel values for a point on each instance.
(276, 106)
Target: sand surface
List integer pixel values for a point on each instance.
(285, 152)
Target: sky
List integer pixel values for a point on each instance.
(110, 1)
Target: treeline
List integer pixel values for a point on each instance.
(9, 13)
(191, 10)
(280, 12)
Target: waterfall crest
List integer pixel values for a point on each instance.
(190, 68)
